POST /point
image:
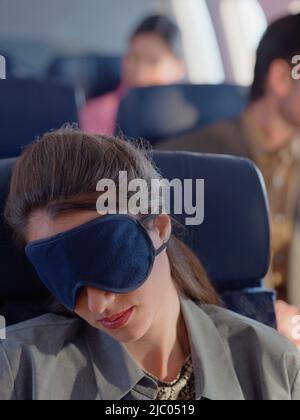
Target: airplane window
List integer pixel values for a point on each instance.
(244, 23)
(200, 41)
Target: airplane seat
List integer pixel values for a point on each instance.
(29, 57)
(29, 109)
(164, 112)
(95, 75)
(22, 295)
(233, 242)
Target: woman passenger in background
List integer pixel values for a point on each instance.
(154, 57)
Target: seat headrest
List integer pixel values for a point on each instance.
(233, 242)
(163, 112)
(96, 75)
(29, 109)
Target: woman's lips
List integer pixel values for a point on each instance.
(118, 320)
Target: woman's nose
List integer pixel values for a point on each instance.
(98, 301)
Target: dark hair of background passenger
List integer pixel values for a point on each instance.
(280, 41)
(164, 28)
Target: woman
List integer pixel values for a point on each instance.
(149, 325)
(154, 57)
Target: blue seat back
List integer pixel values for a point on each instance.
(95, 75)
(29, 57)
(163, 112)
(233, 242)
(30, 108)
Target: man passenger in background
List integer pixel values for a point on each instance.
(268, 133)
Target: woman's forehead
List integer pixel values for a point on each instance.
(42, 226)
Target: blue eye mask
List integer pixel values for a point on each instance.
(112, 253)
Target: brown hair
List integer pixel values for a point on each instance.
(59, 173)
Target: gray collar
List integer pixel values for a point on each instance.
(117, 374)
(115, 370)
(214, 372)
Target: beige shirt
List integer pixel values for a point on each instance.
(281, 174)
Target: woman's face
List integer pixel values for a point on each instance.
(93, 305)
(150, 62)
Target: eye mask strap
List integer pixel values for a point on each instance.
(161, 249)
(165, 244)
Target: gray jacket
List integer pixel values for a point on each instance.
(234, 358)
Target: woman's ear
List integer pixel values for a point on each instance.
(163, 227)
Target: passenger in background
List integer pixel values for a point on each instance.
(268, 133)
(154, 57)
